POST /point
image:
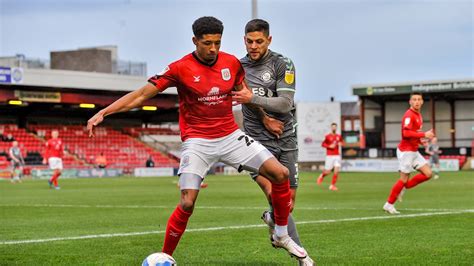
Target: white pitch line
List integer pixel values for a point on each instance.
(236, 227)
(212, 207)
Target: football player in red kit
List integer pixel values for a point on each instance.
(53, 156)
(204, 80)
(409, 158)
(331, 142)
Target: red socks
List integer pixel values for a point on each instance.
(334, 179)
(175, 229)
(396, 189)
(418, 179)
(281, 201)
(54, 179)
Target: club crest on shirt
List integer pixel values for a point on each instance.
(289, 77)
(407, 121)
(266, 76)
(225, 74)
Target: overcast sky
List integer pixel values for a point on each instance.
(334, 44)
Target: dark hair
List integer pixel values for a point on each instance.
(334, 124)
(415, 93)
(258, 25)
(207, 25)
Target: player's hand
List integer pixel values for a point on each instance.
(429, 134)
(44, 161)
(332, 146)
(94, 121)
(273, 126)
(243, 96)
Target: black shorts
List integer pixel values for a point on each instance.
(286, 152)
(434, 159)
(16, 164)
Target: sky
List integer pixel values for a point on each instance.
(334, 44)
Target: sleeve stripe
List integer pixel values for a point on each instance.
(286, 89)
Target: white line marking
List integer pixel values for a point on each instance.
(236, 227)
(213, 207)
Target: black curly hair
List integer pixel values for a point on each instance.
(207, 25)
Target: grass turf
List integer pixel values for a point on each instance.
(347, 227)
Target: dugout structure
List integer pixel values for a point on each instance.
(448, 109)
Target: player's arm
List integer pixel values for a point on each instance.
(61, 151)
(46, 153)
(273, 125)
(341, 142)
(125, 103)
(284, 101)
(325, 144)
(409, 133)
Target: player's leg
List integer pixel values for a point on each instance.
(405, 160)
(337, 167)
(289, 158)
(56, 165)
(195, 163)
(20, 173)
(424, 175)
(12, 172)
(179, 218)
(395, 192)
(328, 165)
(244, 153)
(435, 166)
(281, 201)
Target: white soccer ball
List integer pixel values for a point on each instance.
(159, 259)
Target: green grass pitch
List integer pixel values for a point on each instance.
(120, 221)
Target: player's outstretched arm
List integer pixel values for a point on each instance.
(283, 103)
(274, 126)
(125, 103)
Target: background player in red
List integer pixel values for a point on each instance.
(407, 152)
(331, 142)
(53, 155)
(204, 80)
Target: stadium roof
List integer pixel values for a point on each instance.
(68, 79)
(425, 87)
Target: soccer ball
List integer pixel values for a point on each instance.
(159, 259)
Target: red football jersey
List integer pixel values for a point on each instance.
(330, 139)
(54, 148)
(412, 123)
(205, 100)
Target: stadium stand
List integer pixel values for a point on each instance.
(121, 150)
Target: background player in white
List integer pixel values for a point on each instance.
(433, 150)
(204, 80)
(17, 162)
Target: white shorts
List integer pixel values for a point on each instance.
(409, 161)
(332, 161)
(236, 149)
(55, 163)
